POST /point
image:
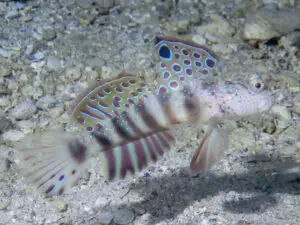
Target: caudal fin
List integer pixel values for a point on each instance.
(53, 161)
(135, 155)
(210, 150)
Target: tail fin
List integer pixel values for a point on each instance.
(136, 154)
(210, 150)
(53, 161)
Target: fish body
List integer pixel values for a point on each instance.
(140, 134)
(132, 129)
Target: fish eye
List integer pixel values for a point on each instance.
(258, 85)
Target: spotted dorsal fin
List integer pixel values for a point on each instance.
(180, 61)
(106, 99)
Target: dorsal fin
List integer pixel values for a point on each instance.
(180, 61)
(105, 99)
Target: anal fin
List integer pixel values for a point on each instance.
(136, 154)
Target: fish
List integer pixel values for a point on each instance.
(141, 134)
(180, 61)
(132, 129)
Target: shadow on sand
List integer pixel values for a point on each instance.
(166, 197)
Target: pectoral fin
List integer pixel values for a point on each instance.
(210, 150)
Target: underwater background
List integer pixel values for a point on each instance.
(52, 50)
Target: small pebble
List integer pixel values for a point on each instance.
(46, 102)
(219, 29)
(73, 73)
(199, 39)
(13, 135)
(4, 101)
(281, 111)
(26, 126)
(38, 56)
(95, 62)
(5, 53)
(85, 19)
(48, 35)
(61, 205)
(56, 112)
(222, 48)
(105, 218)
(124, 216)
(296, 104)
(26, 19)
(5, 71)
(53, 63)
(4, 205)
(258, 157)
(12, 15)
(269, 23)
(291, 174)
(24, 110)
(4, 166)
(85, 4)
(29, 49)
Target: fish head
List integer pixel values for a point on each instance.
(244, 98)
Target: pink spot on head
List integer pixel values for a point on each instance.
(173, 84)
(167, 75)
(162, 90)
(162, 65)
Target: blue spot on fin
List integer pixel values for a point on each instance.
(165, 52)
